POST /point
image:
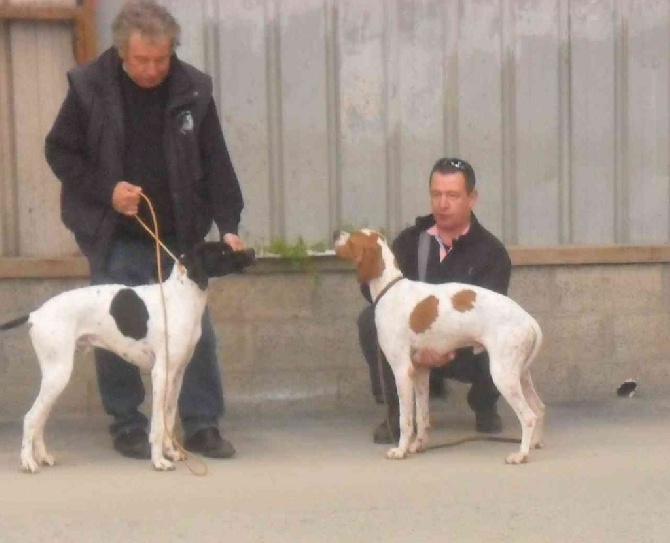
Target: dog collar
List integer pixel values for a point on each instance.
(385, 290)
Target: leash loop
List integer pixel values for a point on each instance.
(159, 268)
(154, 234)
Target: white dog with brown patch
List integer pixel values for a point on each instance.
(411, 315)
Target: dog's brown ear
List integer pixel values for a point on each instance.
(370, 264)
(345, 252)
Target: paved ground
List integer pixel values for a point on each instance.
(603, 477)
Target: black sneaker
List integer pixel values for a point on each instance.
(208, 442)
(488, 422)
(133, 444)
(437, 388)
(387, 433)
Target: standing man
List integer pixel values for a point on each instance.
(139, 120)
(449, 245)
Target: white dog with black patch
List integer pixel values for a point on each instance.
(129, 322)
(411, 315)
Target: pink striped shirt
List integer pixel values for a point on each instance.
(444, 249)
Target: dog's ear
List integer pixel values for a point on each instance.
(219, 259)
(214, 259)
(370, 265)
(364, 251)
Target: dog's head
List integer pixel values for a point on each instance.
(363, 248)
(215, 259)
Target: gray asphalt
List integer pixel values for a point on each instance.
(603, 476)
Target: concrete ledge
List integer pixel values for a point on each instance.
(289, 338)
(27, 267)
(586, 254)
(17, 267)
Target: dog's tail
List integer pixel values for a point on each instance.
(16, 322)
(537, 343)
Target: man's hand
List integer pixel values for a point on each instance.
(430, 358)
(126, 198)
(236, 244)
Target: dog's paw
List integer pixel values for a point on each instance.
(396, 453)
(175, 455)
(417, 446)
(28, 465)
(517, 458)
(163, 464)
(46, 459)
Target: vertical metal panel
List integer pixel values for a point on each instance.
(249, 110)
(275, 123)
(421, 84)
(451, 19)
(593, 120)
(485, 60)
(333, 110)
(304, 118)
(537, 123)
(8, 214)
(509, 122)
(195, 19)
(362, 91)
(621, 134)
(391, 59)
(44, 54)
(648, 146)
(564, 123)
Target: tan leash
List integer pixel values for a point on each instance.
(446, 444)
(159, 267)
(453, 443)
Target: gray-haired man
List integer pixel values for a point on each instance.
(138, 119)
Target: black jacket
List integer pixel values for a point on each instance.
(476, 258)
(85, 149)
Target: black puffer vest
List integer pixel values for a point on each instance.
(86, 205)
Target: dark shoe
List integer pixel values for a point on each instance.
(387, 432)
(488, 422)
(208, 442)
(133, 444)
(437, 388)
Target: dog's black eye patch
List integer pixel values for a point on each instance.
(129, 313)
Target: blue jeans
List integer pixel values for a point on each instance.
(133, 263)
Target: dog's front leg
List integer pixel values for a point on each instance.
(171, 451)
(157, 435)
(406, 405)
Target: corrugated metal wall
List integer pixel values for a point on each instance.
(335, 110)
(34, 57)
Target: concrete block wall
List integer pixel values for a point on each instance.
(289, 339)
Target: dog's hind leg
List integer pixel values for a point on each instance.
(56, 362)
(421, 379)
(529, 389)
(506, 374)
(537, 406)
